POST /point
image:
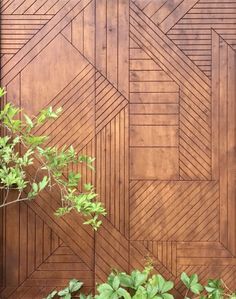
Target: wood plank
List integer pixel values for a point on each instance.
(152, 136)
(142, 167)
(150, 87)
(153, 76)
(159, 120)
(154, 109)
(154, 97)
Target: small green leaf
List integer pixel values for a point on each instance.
(35, 187)
(123, 293)
(2, 91)
(64, 292)
(104, 287)
(28, 121)
(141, 293)
(52, 295)
(185, 279)
(125, 280)
(75, 285)
(43, 183)
(88, 187)
(196, 288)
(168, 285)
(116, 283)
(193, 279)
(167, 296)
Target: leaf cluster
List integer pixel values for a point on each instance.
(214, 289)
(137, 285)
(21, 147)
(144, 285)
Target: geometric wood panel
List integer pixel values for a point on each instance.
(148, 88)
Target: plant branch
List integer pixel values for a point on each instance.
(14, 201)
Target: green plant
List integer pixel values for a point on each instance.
(137, 285)
(215, 288)
(144, 285)
(28, 166)
(66, 293)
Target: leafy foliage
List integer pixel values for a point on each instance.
(137, 285)
(215, 288)
(191, 282)
(21, 148)
(144, 285)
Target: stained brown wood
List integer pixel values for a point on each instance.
(148, 88)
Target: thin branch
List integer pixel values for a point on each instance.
(14, 201)
(6, 196)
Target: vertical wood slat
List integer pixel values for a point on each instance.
(215, 104)
(112, 40)
(223, 141)
(123, 46)
(31, 251)
(101, 36)
(23, 268)
(231, 141)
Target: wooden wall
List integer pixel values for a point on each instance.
(148, 87)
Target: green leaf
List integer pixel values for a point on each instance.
(63, 292)
(168, 285)
(51, 295)
(104, 287)
(141, 293)
(123, 293)
(214, 288)
(35, 141)
(59, 110)
(28, 121)
(114, 295)
(35, 187)
(75, 285)
(161, 282)
(193, 279)
(196, 288)
(185, 279)
(125, 280)
(62, 211)
(139, 278)
(116, 283)
(105, 295)
(43, 183)
(2, 91)
(167, 296)
(88, 187)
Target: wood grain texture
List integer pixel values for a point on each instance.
(148, 88)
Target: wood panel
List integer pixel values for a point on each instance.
(148, 87)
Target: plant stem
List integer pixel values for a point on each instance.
(5, 199)
(14, 201)
(186, 293)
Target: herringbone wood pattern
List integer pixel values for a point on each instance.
(148, 87)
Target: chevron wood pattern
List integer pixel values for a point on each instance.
(148, 88)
